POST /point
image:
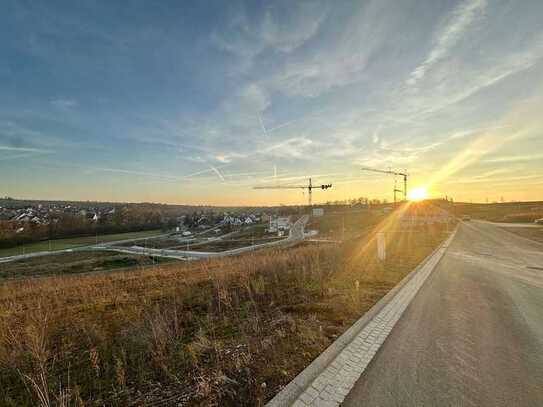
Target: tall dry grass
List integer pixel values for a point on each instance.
(220, 332)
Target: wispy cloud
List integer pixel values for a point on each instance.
(25, 149)
(22, 152)
(514, 126)
(280, 29)
(375, 135)
(462, 17)
(64, 103)
(486, 77)
(305, 86)
(501, 180)
(514, 158)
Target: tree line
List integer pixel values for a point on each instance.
(65, 225)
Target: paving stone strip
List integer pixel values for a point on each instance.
(337, 379)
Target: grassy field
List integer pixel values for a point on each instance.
(502, 212)
(346, 224)
(76, 263)
(224, 332)
(529, 233)
(61, 244)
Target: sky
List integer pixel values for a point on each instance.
(199, 102)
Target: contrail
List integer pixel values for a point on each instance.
(203, 171)
(262, 125)
(25, 149)
(14, 157)
(279, 126)
(216, 171)
(145, 173)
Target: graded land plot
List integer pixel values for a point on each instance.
(73, 242)
(76, 263)
(153, 243)
(229, 244)
(244, 236)
(228, 331)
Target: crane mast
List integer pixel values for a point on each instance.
(404, 174)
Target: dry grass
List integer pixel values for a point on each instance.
(502, 212)
(221, 332)
(535, 234)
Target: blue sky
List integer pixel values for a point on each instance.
(197, 103)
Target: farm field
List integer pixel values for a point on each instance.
(70, 243)
(229, 331)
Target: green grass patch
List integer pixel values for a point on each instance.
(77, 263)
(70, 243)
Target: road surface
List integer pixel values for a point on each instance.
(473, 335)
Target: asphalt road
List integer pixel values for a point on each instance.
(473, 335)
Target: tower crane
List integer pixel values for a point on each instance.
(404, 174)
(310, 187)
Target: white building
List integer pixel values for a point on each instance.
(318, 211)
(279, 223)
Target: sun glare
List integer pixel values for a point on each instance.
(417, 194)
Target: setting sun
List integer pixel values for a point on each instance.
(417, 194)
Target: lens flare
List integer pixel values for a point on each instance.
(417, 194)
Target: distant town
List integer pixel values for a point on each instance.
(26, 221)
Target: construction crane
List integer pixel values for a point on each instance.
(310, 187)
(404, 174)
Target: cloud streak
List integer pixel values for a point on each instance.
(462, 18)
(25, 149)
